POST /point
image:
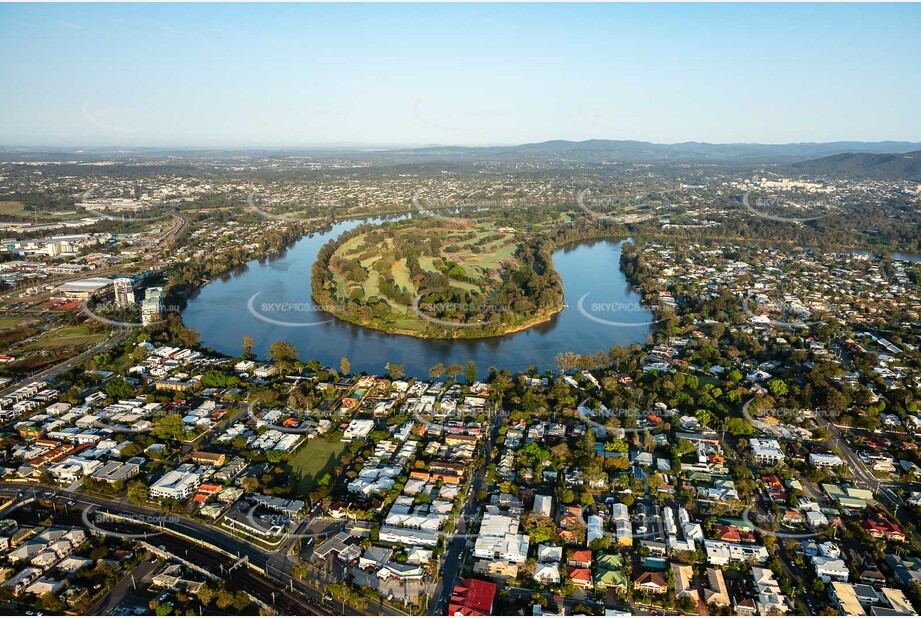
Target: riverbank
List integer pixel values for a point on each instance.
(286, 311)
(472, 332)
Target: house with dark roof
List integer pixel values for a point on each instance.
(651, 582)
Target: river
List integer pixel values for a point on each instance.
(603, 311)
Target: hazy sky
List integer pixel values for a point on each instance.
(300, 75)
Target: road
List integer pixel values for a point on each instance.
(163, 244)
(267, 584)
(861, 471)
(453, 562)
(115, 596)
(64, 366)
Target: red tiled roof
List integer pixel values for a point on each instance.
(580, 574)
(581, 555)
(472, 597)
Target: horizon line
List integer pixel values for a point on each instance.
(419, 146)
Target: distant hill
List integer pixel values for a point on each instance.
(898, 166)
(597, 150)
(588, 151)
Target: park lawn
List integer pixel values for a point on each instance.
(6, 323)
(18, 209)
(313, 461)
(409, 323)
(64, 338)
(13, 209)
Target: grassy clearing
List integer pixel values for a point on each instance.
(6, 323)
(18, 209)
(13, 209)
(64, 338)
(317, 458)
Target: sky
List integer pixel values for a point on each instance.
(300, 75)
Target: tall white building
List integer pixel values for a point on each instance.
(124, 292)
(152, 306)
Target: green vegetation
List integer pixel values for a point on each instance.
(435, 279)
(316, 459)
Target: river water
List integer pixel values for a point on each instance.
(603, 311)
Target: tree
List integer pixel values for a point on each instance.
(777, 387)
(169, 427)
(51, 603)
(345, 366)
(275, 456)
(248, 343)
(225, 598)
(164, 609)
(137, 492)
(396, 371)
(738, 426)
(241, 601)
(206, 595)
(455, 370)
(284, 354)
(683, 447)
(250, 484)
(189, 337)
(471, 372)
(616, 445)
(118, 388)
(437, 370)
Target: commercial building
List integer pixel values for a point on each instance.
(83, 289)
(152, 307)
(124, 292)
(177, 484)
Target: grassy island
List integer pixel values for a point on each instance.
(436, 278)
